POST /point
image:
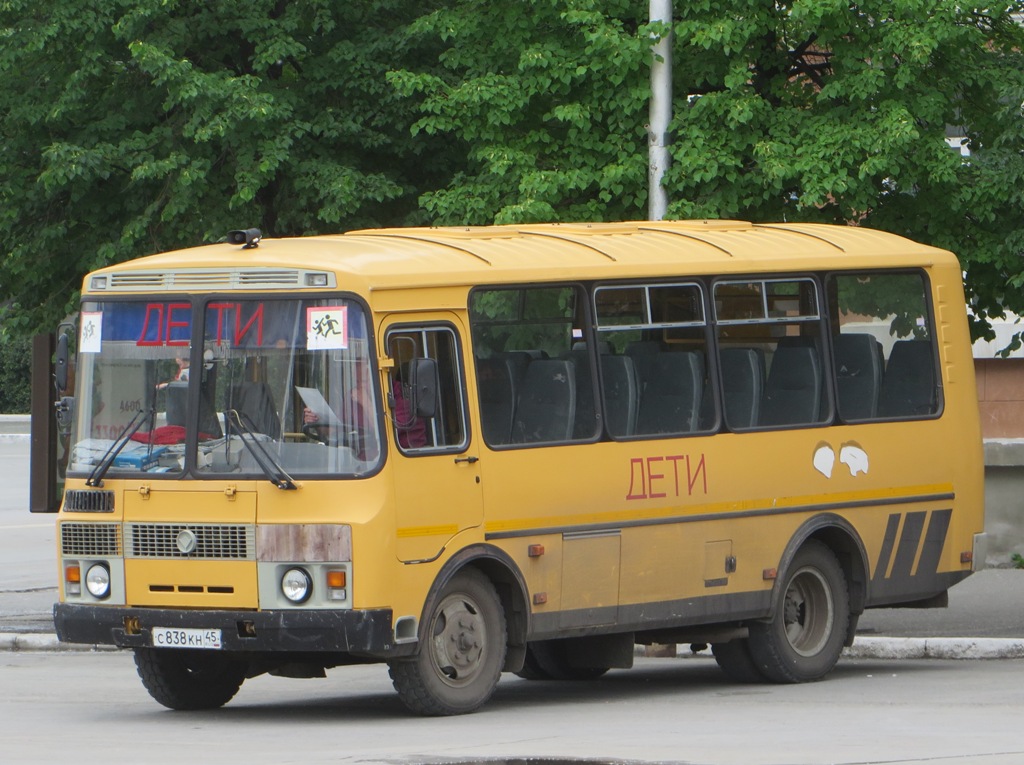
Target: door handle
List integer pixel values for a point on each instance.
(470, 459)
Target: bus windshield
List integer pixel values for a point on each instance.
(275, 386)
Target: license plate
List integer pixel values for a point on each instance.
(179, 637)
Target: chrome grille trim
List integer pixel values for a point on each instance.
(212, 279)
(90, 540)
(212, 541)
(82, 501)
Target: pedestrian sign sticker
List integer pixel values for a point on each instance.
(91, 337)
(327, 328)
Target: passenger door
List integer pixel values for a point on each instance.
(436, 474)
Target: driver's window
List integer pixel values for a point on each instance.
(425, 398)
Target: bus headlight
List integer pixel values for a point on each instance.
(296, 585)
(97, 580)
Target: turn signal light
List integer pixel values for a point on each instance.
(73, 579)
(336, 581)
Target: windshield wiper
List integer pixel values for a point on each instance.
(271, 468)
(96, 476)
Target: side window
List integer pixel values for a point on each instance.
(534, 373)
(653, 357)
(884, 347)
(425, 398)
(770, 354)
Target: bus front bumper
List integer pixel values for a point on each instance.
(362, 633)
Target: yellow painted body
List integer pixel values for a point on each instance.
(621, 523)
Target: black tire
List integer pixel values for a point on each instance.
(188, 680)
(804, 639)
(736, 662)
(462, 653)
(549, 660)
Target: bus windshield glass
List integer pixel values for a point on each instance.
(276, 386)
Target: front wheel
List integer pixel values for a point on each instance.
(188, 680)
(804, 639)
(459, 663)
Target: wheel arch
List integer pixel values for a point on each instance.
(836, 533)
(510, 584)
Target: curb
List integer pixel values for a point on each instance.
(863, 648)
(41, 642)
(895, 648)
(935, 648)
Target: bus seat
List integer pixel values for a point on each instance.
(585, 422)
(254, 401)
(546, 408)
(742, 385)
(670, 402)
(792, 393)
(643, 353)
(497, 379)
(621, 394)
(908, 387)
(518, 362)
(858, 375)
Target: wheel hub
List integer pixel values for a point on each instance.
(459, 639)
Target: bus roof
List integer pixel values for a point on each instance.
(403, 258)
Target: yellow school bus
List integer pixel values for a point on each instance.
(468, 451)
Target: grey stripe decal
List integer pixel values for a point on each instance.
(716, 516)
(913, 525)
(934, 539)
(882, 567)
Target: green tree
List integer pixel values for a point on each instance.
(133, 126)
(551, 97)
(833, 111)
(15, 370)
(138, 125)
(811, 110)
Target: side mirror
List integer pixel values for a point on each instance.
(60, 372)
(425, 382)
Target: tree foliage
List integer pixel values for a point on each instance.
(139, 125)
(839, 112)
(551, 97)
(15, 371)
(133, 126)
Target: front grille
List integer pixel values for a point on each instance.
(79, 501)
(90, 540)
(175, 540)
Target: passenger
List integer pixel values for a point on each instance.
(181, 375)
(411, 430)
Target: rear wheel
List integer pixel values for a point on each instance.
(804, 639)
(459, 663)
(188, 680)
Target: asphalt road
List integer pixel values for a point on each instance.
(91, 708)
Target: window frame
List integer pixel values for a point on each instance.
(827, 407)
(832, 309)
(461, 394)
